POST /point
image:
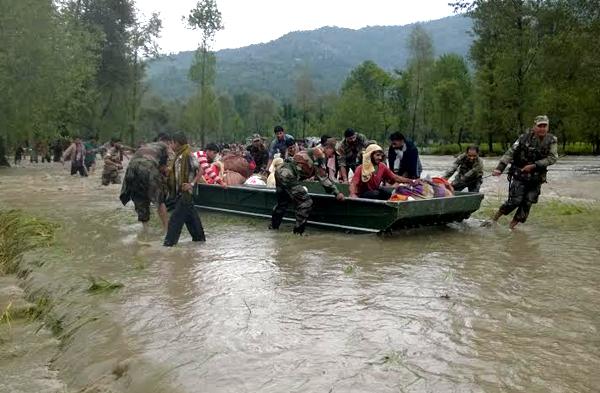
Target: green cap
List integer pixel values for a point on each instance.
(543, 119)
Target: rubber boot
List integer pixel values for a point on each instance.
(276, 220)
(299, 230)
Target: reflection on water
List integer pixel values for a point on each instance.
(458, 308)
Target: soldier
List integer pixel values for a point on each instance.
(144, 182)
(529, 157)
(470, 170)
(113, 163)
(303, 165)
(350, 152)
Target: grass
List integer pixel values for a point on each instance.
(6, 316)
(20, 232)
(99, 284)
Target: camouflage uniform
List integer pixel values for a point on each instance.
(350, 154)
(525, 188)
(470, 173)
(288, 177)
(112, 164)
(143, 181)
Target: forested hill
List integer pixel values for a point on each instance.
(330, 53)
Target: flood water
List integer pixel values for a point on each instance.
(462, 308)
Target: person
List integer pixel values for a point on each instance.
(349, 152)
(206, 159)
(184, 173)
(403, 157)
(470, 170)
(91, 149)
(259, 154)
(332, 163)
(369, 177)
(76, 154)
(19, 151)
(278, 145)
(530, 156)
(288, 177)
(291, 147)
(113, 163)
(144, 179)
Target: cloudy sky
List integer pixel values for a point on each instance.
(255, 21)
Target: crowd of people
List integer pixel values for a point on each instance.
(164, 172)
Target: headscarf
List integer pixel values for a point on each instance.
(367, 165)
(176, 182)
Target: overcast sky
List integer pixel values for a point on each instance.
(255, 21)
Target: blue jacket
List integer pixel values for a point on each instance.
(278, 146)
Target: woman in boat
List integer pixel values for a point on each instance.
(369, 176)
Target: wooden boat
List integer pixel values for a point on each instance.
(361, 215)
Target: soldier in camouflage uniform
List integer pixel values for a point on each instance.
(350, 152)
(113, 162)
(470, 170)
(302, 166)
(144, 181)
(529, 157)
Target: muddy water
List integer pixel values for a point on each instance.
(459, 308)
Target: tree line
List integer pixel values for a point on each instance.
(77, 67)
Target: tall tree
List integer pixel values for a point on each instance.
(206, 18)
(419, 64)
(451, 96)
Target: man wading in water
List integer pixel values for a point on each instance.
(530, 155)
(302, 166)
(144, 181)
(184, 173)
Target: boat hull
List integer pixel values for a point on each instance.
(362, 215)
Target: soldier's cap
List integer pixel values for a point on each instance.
(256, 137)
(543, 119)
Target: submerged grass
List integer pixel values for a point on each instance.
(20, 232)
(99, 284)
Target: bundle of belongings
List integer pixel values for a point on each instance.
(436, 187)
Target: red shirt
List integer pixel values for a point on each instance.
(383, 173)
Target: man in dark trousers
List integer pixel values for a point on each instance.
(184, 173)
(403, 157)
(529, 158)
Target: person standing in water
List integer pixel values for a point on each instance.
(530, 156)
(184, 173)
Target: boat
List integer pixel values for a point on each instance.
(352, 214)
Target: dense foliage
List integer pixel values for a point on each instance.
(81, 67)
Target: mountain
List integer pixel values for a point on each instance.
(329, 53)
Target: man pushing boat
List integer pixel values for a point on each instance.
(302, 166)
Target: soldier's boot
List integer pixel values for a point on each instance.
(276, 220)
(497, 216)
(299, 229)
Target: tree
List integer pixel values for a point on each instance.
(451, 96)
(419, 65)
(206, 18)
(47, 65)
(305, 95)
(142, 44)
